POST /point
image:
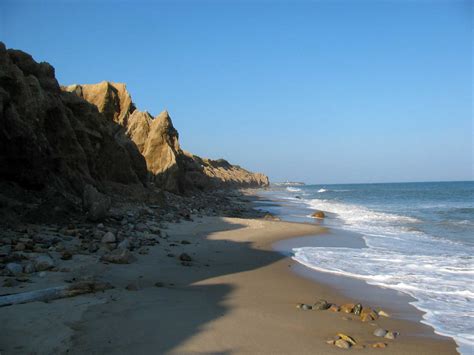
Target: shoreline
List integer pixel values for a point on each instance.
(237, 295)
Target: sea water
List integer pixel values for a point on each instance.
(419, 237)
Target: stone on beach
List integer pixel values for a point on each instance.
(341, 343)
(347, 308)
(383, 313)
(379, 345)
(119, 257)
(108, 237)
(357, 309)
(14, 268)
(185, 257)
(391, 335)
(321, 305)
(379, 332)
(334, 308)
(304, 306)
(96, 204)
(318, 214)
(44, 262)
(347, 338)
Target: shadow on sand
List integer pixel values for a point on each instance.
(155, 320)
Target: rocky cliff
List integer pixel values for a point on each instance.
(55, 139)
(157, 140)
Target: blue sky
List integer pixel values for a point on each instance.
(319, 91)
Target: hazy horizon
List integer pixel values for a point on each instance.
(337, 92)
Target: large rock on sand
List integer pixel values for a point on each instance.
(95, 204)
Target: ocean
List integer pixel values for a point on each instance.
(419, 240)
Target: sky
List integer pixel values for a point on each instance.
(315, 91)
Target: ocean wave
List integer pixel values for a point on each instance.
(322, 190)
(446, 297)
(293, 189)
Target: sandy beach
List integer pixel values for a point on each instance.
(237, 296)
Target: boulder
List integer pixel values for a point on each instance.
(95, 204)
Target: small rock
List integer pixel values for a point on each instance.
(185, 257)
(304, 306)
(159, 284)
(66, 255)
(108, 237)
(124, 244)
(334, 308)
(357, 309)
(119, 257)
(29, 268)
(318, 214)
(132, 287)
(347, 338)
(321, 305)
(383, 314)
(10, 283)
(14, 268)
(184, 242)
(347, 308)
(391, 335)
(379, 332)
(379, 345)
(44, 262)
(341, 343)
(20, 247)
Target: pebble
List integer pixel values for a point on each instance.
(44, 262)
(334, 308)
(321, 305)
(29, 268)
(341, 343)
(379, 332)
(357, 309)
(185, 257)
(391, 335)
(20, 247)
(379, 345)
(108, 237)
(383, 314)
(14, 268)
(124, 244)
(132, 287)
(347, 308)
(66, 255)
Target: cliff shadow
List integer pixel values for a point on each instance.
(161, 319)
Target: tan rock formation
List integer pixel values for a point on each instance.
(54, 139)
(157, 140)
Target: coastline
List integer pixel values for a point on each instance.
(238, 296)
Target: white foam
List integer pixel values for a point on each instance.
(445, 297)
(437, 272)
(293, 189)
(322, 190)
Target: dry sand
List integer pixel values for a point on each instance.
(238, 296)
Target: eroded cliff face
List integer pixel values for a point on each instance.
(157, 140)
(50, 138)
